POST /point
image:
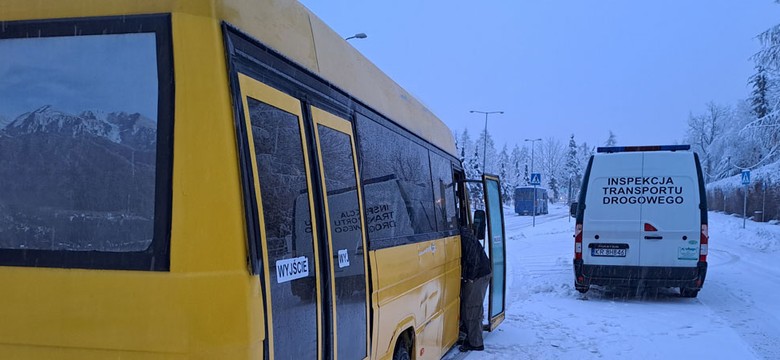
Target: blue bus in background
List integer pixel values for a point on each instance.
(524, 200)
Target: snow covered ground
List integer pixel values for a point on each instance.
(736, 316)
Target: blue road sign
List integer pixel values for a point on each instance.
(536, 179)
(745, 177)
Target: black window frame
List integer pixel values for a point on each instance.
(247, 55)
(157, 256)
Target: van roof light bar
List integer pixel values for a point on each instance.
(617, 149)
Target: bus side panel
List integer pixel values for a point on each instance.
(451, 298)
(86, 314)
(410, 282)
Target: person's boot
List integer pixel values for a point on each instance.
(466, 347)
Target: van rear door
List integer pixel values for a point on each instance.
(671, 219)
(609, 221)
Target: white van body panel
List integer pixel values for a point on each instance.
(678, 223)
(612, 224)
(628, 190)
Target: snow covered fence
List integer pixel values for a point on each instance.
(726, 195)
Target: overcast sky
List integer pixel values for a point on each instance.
(557, 68)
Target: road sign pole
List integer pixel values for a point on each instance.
(534, 209)
(744, 207)
(763, 202)
(746, 182)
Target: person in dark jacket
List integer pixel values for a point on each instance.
(475, 276)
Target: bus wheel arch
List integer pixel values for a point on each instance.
(404, 345)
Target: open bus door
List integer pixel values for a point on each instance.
(496, 245)
(491, 218)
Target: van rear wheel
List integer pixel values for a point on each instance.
(689, 293)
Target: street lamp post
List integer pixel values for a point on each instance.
(484, 150)
(533, 141)
(357, 36)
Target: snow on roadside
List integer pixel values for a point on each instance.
(733, 318)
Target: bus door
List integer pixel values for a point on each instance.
(496, 244)
(285, 259)
(347, 297)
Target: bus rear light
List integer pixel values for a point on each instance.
(578, 242)
(704, 243)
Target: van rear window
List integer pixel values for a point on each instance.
(82, 111)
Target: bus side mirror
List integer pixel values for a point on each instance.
(573, 209)
(479, 224)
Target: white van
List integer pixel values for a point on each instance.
(642, 220)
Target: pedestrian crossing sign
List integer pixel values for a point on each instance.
(536, 179)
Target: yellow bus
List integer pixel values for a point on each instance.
(220, 179)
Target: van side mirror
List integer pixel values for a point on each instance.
(479, 224)
(573, 209)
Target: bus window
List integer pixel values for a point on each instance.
(82, 183)
(405, 163)
(345, 236)
(444, 191)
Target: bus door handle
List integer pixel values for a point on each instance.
(648, 237)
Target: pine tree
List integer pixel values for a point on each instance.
(612, 140)
(474, 172)
(573, 168)
(553, 185)
(526, 176)
(584, 152)
(759, 96)
(488, 160)
(505, 174)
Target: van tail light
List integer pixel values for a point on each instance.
(704, 243)
(578, 242)
(650, 227)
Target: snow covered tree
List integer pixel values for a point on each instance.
(490, 165)
(552, 185)
(507, 182)
(519, 168)
(703, 131)
(764, 98)
(465, 147)
(526, 176)
(759, 97)
(769, 55)
(584, 152)
(474, 172)
(553, 160)
(612, 140)
(573, 169)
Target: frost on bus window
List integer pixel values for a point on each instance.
(396, 175)
(444, 191)
(78, 139)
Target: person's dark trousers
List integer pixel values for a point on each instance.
(472, 310)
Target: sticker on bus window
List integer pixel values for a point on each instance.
(291, 269)
(343, 258)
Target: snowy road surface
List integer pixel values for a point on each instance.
(736, 316)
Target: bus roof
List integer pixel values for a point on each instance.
(287, 27)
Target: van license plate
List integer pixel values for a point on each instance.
(608, 252)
